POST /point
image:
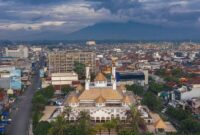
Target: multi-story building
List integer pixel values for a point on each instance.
(140, 77)
(63, 78)
(62, 62)
(18, 52)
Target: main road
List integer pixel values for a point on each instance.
(22, 115)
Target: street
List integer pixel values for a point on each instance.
(22, 115)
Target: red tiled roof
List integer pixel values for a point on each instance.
(195, 80)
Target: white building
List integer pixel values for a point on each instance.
(91, 43)
(103, 101)
(63, 78)
(186, 94)
(157, 56)
(19, 52)
(36, 49)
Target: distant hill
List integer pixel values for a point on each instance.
(108, 31)
(133, 31)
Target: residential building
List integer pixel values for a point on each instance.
(137, 77)
(63, 78)
(194, 105)
(18, 52)
(62, 62)
(154, 123)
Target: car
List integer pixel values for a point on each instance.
(11, 100)
(59, 103)
(5, 121)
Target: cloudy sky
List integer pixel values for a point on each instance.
(72, 15)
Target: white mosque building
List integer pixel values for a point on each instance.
(103, 99)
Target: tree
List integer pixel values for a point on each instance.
(160, 72)
(190, 126)
(127, 132)
(99, 128)
(79, 68)
(171, 79)
(48, 92)
(178, 114)
(133, 117)
(67, 111)
(178, 72)
(42, 128)
(84, 115)
(117, 125)
(155, 87)
(84, 125)
(39, 102)
(59, 126)
(66, 89)
(136, 89)
(35, 118)
(153, 102)
(109, 125)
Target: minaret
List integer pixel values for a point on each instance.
(87, 80)
(113, 77)
(146, 77)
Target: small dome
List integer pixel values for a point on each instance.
(79, 88)
(122, 87)
(126, 100)
(160, 124)
(100, 99)
(100, 77)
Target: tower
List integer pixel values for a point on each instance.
(146, 77)
(113, 77)
(87, 80)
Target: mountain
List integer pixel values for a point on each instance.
(107, 31)
(133, 31)
(28, 35)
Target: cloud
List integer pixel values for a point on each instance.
(163, 12)
(72, 15)
(26, 26)
(76, 14)
(35, 2)
(116, 5)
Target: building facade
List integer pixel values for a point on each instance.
(62, 62)
(140, 77)
(18, 52)
(63, 78)
(101, 99)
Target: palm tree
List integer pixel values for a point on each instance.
(99, 128)
(109, 125)
(133, 117)
(117, 124)
(67, 111)
(59, 126)
(84, 125)
(84, 115)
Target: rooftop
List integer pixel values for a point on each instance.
(106, 93)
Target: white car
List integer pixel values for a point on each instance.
(11, 100)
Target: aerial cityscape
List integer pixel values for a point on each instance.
(99, 67)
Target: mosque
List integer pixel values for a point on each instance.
(103, 99)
